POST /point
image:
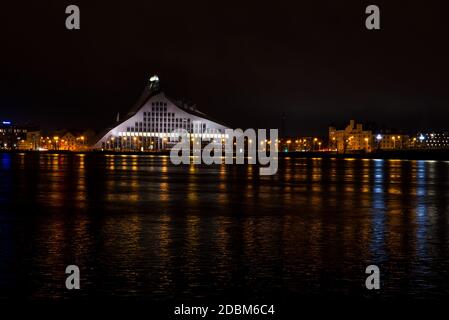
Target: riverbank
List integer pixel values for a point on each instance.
(400, 155)
(156, 153)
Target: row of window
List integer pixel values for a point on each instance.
(159, 114)
(14, 130)
(165, 128)
(158, 104)
(159, 126)
(180, 122)
(163, 120)
(169, 122)
(160, 122)
(437, 141)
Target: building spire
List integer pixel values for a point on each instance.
(154, 82)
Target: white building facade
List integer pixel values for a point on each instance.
(155, 123)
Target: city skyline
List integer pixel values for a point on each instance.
(155, 121)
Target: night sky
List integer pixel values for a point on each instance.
(244, 64)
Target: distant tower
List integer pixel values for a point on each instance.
(118, 117)
(154, 82)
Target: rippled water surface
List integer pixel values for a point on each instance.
(138, 226)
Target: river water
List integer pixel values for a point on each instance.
(140, 227)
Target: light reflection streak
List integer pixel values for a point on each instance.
(378, 212)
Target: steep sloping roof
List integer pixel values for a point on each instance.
(146, 95)
(195, 112)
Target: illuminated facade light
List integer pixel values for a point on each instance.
(158, 121)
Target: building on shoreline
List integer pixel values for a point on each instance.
(31, 141)
(154, 121)
(353, 138)
(19, 137)
(392, 141)
(356, 138)
(430, 140)
(67, 140)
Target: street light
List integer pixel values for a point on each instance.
(56, 138)
(378, 139)
(314, 143)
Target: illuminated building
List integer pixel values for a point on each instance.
(32, 140)
(390, 141)
(431, 140)
(71, 140)
(155, 122)
(353, 138)
(14, 137)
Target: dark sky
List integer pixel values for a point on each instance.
(243, 63)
